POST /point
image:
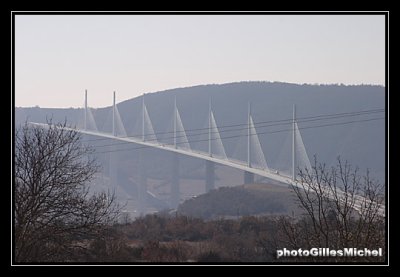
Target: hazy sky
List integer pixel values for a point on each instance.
(57, 57)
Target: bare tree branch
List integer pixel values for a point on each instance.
(54, 207)
(341, 207)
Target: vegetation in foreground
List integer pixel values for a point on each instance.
(249, 239)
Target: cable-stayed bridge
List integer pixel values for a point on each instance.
(211, 149)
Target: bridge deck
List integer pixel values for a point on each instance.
(285, 180)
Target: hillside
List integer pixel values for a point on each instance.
(245, 200)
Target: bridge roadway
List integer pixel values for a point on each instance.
(284, 179)
(191, 153)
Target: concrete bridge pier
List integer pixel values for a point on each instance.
(210, 176)
(175, 193)
(142, 185)
(248, 178)
(113, 171)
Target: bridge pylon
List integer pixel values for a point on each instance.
(299, 153)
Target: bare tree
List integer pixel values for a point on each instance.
(342, 209)
(55, 212)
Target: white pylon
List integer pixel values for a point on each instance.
(85, 119)
(88, 121)
(209, 128)
(180, 138)
(143, 116)
(294, 144)
(215, 145)
(148, 133)
(113, 117)
(248, 136)
(175, 119)
(299, 153)
(255, 153)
